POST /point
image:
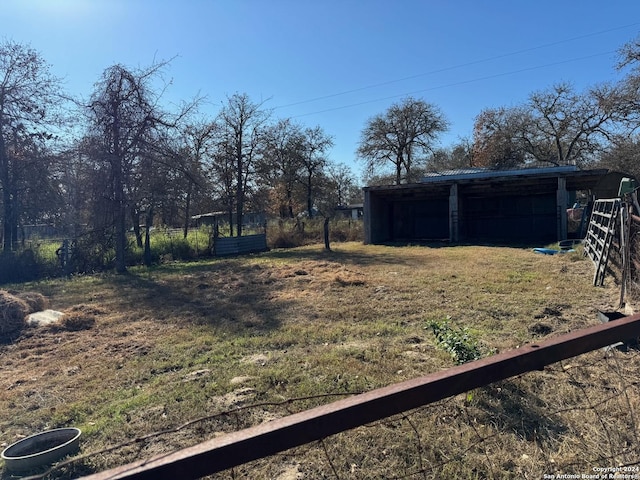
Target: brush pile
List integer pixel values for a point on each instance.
(13, 313)
(36, 301)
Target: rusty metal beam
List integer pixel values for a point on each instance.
(278, 435)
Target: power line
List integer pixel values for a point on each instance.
(454, 84)
(454, 67)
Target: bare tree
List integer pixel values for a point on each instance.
(315, 145)
(626, 100)
(222, 171)
(497, 134)
(29, 98)
(402, 136)
(341, 184)
(457, 156)
(241, 122)
(555, 126)
(124, 122)
(565, 127)
(623, 155)
(196, 150)
(281, 165)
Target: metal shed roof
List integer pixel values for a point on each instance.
(482, 179)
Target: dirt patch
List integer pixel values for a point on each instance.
(197, 374)
(540, 328)
(257, 359)
(240, 379)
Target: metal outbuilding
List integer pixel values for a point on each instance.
(479, 205)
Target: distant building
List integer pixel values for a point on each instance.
(42, 230)
(353, 211)
(250, 219)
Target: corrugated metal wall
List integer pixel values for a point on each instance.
(510, 218)
(423, 219)
(238, 245)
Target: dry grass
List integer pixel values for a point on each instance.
(191, 340)
(35, 300)
(13, 311)
(78, 317)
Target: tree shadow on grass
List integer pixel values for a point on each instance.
(510, 408)
(346, 257)
(228, 295)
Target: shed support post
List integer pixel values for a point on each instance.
(366, 213)
(561, 206)
(454, 227)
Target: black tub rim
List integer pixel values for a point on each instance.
(16, 462)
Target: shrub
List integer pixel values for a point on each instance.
(21, 267)
(346, 230)
(282, 237)
(304, 231)
(460, 343)
(91, 252)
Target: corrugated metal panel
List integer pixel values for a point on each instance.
(483, 173)
(238, 245)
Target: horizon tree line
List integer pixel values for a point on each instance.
(122, 161)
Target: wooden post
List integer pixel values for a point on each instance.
(454, 227)
(366, 210)
(327, 245)
(561, 202)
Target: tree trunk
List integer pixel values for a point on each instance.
(327, 246)
(6, 198)
(187, 210)
(239, 184)
(289, 204)
(6, 221)
(239, 210)
(230, 212)
(14, 222)
(147, 239)
(309, 199)
(135, 218)
(120, 217)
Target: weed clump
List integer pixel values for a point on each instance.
(13, 312)
(459, 342)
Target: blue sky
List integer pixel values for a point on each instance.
(335, 63)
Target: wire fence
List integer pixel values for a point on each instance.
(577, 418)
(52, 256)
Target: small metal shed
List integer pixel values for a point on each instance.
(478, 205)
